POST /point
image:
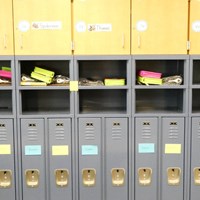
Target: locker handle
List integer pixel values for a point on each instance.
(21, 41)
(123, 40)
(139, 41)
(5, 41)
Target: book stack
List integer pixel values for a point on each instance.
(5, 75)
(149, 78)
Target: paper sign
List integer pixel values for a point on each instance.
(173, 148)
(60, 150)
(73, 86)
(89, 150)
(146, 148)
(100, 27)
(33, 150)
(48, 25)
(5, 149)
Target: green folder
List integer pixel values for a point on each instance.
(41, 77)
(44, 72)
(6, 68)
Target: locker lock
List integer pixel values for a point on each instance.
(5, 178)
(145, 176)
(32, 178)
(174, 175)
(118, 176)
(61, 177)
(197, 176)
(89, 177)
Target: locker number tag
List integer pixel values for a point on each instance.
(196, 26)
(141, 26)
(24, 26)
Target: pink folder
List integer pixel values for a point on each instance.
(150, 74)
(5, 74)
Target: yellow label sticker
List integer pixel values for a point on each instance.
(60, 150)
(5, 149)
(73, 86)
(173, 148)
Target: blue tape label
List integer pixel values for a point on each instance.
(89, 150)
(146, 148)
(33, 150)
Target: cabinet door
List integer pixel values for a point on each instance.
(159, 26)
(6, 31)
(194, 26)
(42, 27)
(102, 27)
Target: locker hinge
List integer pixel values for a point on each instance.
(72, 45)
(188, 45)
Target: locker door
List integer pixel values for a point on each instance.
(116, 136)
(33, 159)
(7, 170)
(60, 159)
(194, 26)
(6, 31)
(102, 27)
(146, 155)
(42, 27)
(90, 184)
(172, 158)
(195, 160)
(159, 26)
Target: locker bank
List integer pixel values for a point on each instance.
(99, 100)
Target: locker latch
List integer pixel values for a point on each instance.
(197, 176)
(145, 176)
(118, 176)
(89, 177)
(61, 177)
(32, 178)
(173, 176)
(5, 178)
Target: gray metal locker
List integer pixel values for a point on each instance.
(7, 167)
(116, 155)
(33, 159)
(195, 159)
(172, 173)
(90, 166)
(146, 158)
(60, 165)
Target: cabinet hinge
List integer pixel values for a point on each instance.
(188, 45)
(72, 45)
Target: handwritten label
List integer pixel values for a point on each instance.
(146, 148)
(172, 148)
(33, 150)
(89, 150)
(5, 149)
(60, 150)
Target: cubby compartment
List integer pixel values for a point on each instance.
(196, 72)
(6, 102)
(99, 70)
(59, 67)
(159, 100)
(5, 72)
(167, 68)
(102, 101)
(195, 100)
(45, 102)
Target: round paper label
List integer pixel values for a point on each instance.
(81, 26)
(196, 26)
(141, 25)
(24, 26)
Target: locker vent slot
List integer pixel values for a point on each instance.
(146, 130)
(116, 132)
(173, 131)
(3, 132)
(60, 132)
(198, 133)
(32, 132)
(89, 131)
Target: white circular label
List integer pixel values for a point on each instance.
(81, 26)
(196, 26)
(141, 25)
(24, 26)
